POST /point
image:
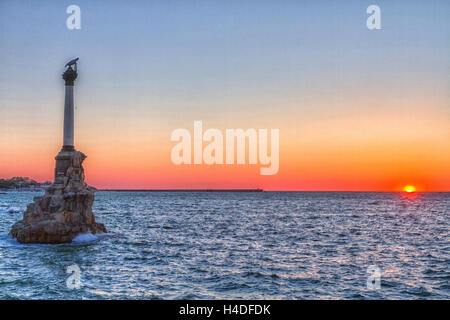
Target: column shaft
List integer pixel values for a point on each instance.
(68, 118)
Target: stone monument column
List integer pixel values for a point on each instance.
(64, 157)
(69, 76)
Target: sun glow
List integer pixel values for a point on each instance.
(409, 189)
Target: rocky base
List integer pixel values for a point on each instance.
(52, 232)
(65, 210)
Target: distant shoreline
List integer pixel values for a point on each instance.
(257, 190)
(183, 190)
(40, 189)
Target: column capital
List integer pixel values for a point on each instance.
(69, 76)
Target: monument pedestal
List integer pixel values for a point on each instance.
(65, 210)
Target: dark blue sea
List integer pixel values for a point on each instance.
(219, 245)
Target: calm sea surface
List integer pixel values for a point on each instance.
(274, 245)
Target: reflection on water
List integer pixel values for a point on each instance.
(290, 245)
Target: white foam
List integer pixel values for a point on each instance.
(85, 237)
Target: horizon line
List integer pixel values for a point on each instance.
(250, 190)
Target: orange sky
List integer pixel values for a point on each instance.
(347, 152)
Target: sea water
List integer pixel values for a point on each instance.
(223, 245)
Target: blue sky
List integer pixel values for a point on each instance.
(221, 49)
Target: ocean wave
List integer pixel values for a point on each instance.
(88, 237)
(11, 210)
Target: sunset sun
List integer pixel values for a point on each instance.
(409, 189)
